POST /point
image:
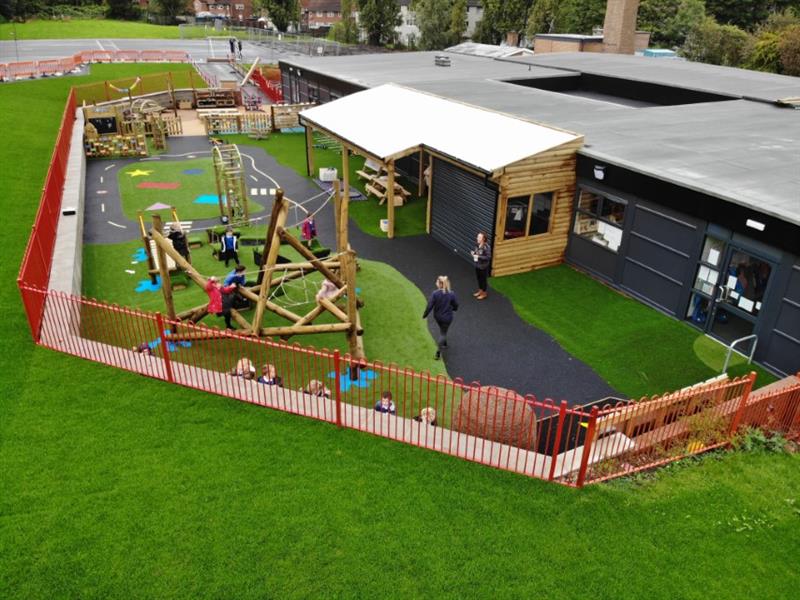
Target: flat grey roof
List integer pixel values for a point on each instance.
(684, 74)
(746, 152)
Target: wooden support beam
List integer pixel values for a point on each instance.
(305, 329)
(166, 282)
(344, 207)
(211, 334)
(348, 261)
(193, 314)
(243, 323)
(276, 308)
(310, 150)
(421, 176)
(151, 264)
(334, 310)
(160, 240)
(337, 207)
(305, 252)
(390, 197)
(272, 245)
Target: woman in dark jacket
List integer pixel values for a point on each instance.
(482, 255)
(443, 303)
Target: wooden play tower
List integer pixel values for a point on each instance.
(231, 190)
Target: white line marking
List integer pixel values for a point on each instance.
(263, 191)
(110, 167)
(101, 192)
(254, 191)
(272, 193)
(131, 271)
(117, 225)
(114, 46)
(102, 207)
(253, 177)
(259, 171)
(100, 45)
(153, 158)
(191, 156)
(101, 179)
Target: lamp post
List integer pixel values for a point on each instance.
(16, 44)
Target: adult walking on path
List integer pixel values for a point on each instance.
(229, 247)
(443, 303)
(482, 255)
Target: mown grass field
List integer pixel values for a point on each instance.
(116, 486)
(43, 29)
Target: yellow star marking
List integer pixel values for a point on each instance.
(138, 173)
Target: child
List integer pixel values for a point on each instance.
(228, 247)
(385, 404)
(316, 388)
(309, 229)
(427, 415)
(215, 305)
(327, 290)
(269, 376)
(143, 348)
(244, 368)
(179, 240)
(236, 277)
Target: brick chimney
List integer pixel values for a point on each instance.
(619, 29)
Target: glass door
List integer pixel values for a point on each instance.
(728, 290)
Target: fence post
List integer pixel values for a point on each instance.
(108, 94)
(737, 416)
(164, 347)
(562, 416)
(587, 446)
(337, 369)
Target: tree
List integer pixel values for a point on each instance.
(458, 21)
(379, 19)
(710, 42)
(670, 21)
(789, 48)
(433, 21)
(348, 23)
(171, 8)
(766, 55)
(282, 13)
(746, 14)
(122, 9)
(543, 17)
(580, 16)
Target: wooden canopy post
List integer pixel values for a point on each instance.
(272, 245)
(151, 264)
(310, 150)
(337, 207)
(421, 178)
(430, 196)
(342, 242)
(166, 282)
(390, 197)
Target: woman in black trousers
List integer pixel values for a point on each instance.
(443, 303)
(482, 255)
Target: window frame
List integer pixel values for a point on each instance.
(529, 215)
(598, 216)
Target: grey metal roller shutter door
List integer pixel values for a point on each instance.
(461, 206)
(783, 345)
(658, 257)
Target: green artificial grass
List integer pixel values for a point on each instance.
(636, 349)
(114, 485)
(40, 29)
(289, 149)
(135, 199)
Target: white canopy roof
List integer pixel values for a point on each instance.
(389, 120)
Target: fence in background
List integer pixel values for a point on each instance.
(58, 66)
(492, 426)
(103, 91)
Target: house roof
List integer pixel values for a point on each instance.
(745, 151)
(391, 120)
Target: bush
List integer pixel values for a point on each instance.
(61, 11)
(751, 439)
(710, 42)
(789, 50)
(766, 54)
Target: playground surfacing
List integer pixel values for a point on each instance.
(488, 343)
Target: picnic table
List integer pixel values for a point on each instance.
(378, 186)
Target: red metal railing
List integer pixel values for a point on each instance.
(488, 425)
(36, 262)
(270, 87)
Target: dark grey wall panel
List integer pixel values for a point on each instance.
(592, 257)
(783, 341)
(657, 258)
(462, 204)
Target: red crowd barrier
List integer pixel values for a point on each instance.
(271, 88)
(28, 69)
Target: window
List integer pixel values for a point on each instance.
(528, 215)
(240, 7)
(599, 219)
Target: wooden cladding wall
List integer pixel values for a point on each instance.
(552, 171)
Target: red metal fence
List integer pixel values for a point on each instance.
(492, 426)
(270, 87)
(38, 257)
